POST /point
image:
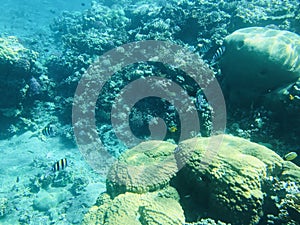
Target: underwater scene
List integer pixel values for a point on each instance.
(145, 112)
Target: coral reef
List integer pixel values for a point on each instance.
(232, 179)
(39, 76)
(281, 14)
(191, 22)
(147, 167)
(81, 36)
(16, 65)
(237, 182)
(77, 37)
(131, 208)
(253, 68)
(22, 81)
(233, 182)
(262, 76)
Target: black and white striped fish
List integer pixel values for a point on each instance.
(57, 166)
(49, 131)
(60, 165)
(218, 54)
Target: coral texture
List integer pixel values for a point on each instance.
(258, 60)
(136, 209)
(147, 167)
(234, 179)
(16, 63)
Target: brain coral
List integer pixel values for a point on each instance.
(258, 60)
(233, 182)
(240, 183)
(136, 209)
(147, 167)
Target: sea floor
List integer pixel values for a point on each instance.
(27, 197)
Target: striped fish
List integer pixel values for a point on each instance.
(218, 54)
(60, 165)
(50, 130)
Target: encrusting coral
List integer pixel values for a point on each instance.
(147, 167)
(234, 180)
(237, 182)
(16, 65)
(136, 209)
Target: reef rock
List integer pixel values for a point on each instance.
(16, 63)
(234, 181)
(136, 209)
(45, 200)
(285, 102)
(231, 184)
(259, 60)
(147, 167)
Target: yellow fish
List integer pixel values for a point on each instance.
(290, 156)
(173, 129)
(291, 97)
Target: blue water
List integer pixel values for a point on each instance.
(28, 18)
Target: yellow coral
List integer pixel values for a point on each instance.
(12, 50)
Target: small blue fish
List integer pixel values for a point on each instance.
(218, 54)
